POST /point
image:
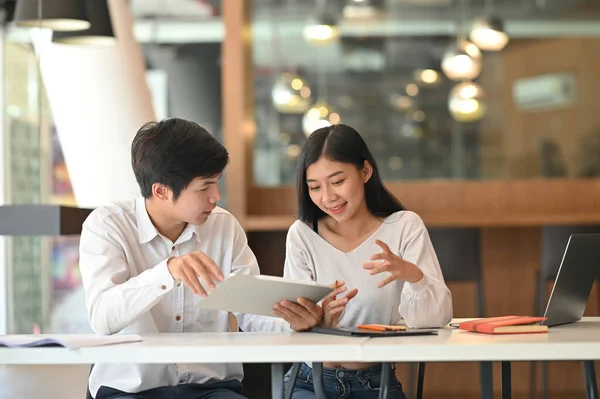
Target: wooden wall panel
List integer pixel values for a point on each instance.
(462, 203)
(564, 126)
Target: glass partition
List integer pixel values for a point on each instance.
(428, 106)
(44, 291)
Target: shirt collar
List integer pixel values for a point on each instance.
(147, 231)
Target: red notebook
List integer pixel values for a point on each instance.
(505, 325)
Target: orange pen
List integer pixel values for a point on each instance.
(371, 327)
(381, 327)
(391, 328)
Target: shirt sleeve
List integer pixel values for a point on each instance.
(114, 300)
(428, 302)
(244, 262)
(296, 266)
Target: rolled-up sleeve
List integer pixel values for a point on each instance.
(428, 302)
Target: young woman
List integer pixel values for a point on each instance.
(354, 233)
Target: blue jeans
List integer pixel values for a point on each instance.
(218, 390)
(343, 383)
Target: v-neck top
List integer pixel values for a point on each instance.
(426, 303)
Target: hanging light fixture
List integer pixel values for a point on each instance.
(361, 10)
(322, 29)
(58, 15)
(467, 102)
(319, 115)
(488, 34)
(428, 77)
(291, 94)
(100, 31)
(462, 61)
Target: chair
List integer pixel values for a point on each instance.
(554, 243)
(459, 254)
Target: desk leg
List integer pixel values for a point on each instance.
(317, 372)
(385, 380)
(277, 380)
(591, 387)
(506, 381)
(487, 380)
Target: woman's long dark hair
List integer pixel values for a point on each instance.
(341, 143)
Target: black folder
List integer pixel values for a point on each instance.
(358, 332)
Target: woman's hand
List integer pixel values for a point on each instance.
(398, 268)
(333, 307)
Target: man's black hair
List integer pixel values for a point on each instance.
(174, 152)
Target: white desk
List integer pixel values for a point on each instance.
(201, 348)
(580, 341)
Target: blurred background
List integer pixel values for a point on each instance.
(481, 114)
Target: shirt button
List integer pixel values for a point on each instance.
(173, 248)
(177, 317)
(164, 287)
(181, 381)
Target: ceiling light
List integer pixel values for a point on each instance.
(462, 61)
(319, 115)
(427, 77)
(58, 15)
(360, 10)
(322, 29)
(488, 34)
(412, 89)
(100, 31)
(291, 94)
(467, 102)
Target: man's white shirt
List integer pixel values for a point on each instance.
(129, 289)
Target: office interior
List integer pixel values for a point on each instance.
(482, 116)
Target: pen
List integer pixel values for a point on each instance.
(388, 327)
(374, 328)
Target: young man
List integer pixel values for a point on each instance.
(146, 263)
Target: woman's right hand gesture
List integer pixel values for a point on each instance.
(333, 308)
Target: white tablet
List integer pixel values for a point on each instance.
(258, 294)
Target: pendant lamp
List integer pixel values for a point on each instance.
(100, 31)
(58, 15)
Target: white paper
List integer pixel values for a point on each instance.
(70, 341)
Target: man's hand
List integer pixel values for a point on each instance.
(333, 307)
(188, 268)
(302, 316)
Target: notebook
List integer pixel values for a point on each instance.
(70, 341)
(505, 325)
(359, 332)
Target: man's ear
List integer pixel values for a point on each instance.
(160, 192)
(367, 171)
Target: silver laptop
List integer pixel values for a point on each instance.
(579, 268)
